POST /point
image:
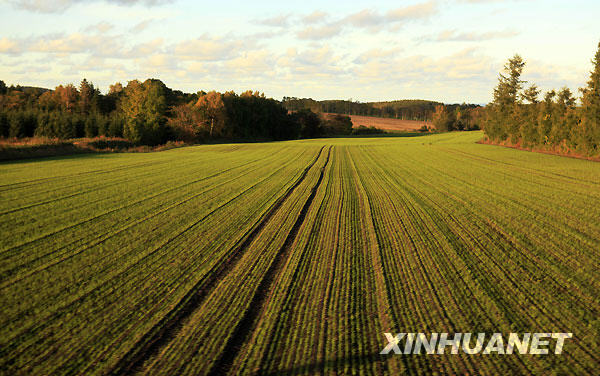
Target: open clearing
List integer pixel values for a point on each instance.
(294, 257)
(388, 124)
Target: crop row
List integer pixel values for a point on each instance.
(296, 257)
(528, 293)
(94, 300)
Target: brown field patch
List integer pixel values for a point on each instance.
(388, 123)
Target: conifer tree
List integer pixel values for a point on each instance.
(590, 116)
(529, 115)
(502, 120)
(546, 116)
(561, 118)
(86, 94)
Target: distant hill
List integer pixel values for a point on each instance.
(30, 90)
(407, 109)
(404, 103)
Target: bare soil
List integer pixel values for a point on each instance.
(388, 123)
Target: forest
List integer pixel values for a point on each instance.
(556, 123)
(150, 113)
(409, 109)
(445, 117)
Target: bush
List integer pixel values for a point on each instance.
(337, 124)
(367, 130)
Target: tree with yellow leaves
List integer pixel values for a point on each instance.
(213, 109)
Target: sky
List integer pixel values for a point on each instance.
(445, 50)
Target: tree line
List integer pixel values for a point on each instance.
(150, 113)
(421, 110)
(518, 117)
(448, 118)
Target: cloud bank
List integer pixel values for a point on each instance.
(56, 6)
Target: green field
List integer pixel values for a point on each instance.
(295, 257)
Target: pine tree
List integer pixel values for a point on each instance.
(86, 94)
(506, 94)
(91, 126)
(3, 124)
(546, 117)
(16, 124)
(503, 121)
(590, 116)
(529, 115)
(560, 118)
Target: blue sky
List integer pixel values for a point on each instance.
(446, 50)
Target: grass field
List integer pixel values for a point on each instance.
(294, 257)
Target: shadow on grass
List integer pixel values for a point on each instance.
(54, 153)
(9, 158)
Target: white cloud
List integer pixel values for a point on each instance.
(208, 48)
(315, 17)
(10, 46)
(455, 36)
(75, 43)
(364, 18)
(276, 21)
(312, 63)
(370, 18)
(143, 49)
(464, 65)
(320, 32)
(255, 63)
(318, 29)
(100, 27)
(376, 53)
(159, 61)
(56, 6)
(141, 26)
(412, 12)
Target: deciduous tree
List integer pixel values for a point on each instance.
(212, 108)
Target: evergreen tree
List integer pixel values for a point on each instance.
(4, 126)
(506, 94)
(67, 126)
(503, 121)
(91, 127)
(43, 124)
(545, 118)
(86, 95)
(529, 116)
(16, 124)
(102, 125)
(116, 125)
(590, 114)
(561, 118)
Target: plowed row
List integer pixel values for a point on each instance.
(294, 258)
